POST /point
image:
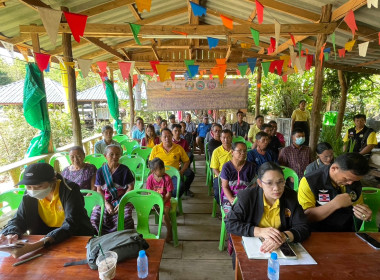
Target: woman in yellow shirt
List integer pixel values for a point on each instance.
(151, 139)
(301, 119)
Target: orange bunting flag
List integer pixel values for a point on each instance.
(24, 52)
(260, 12)
(342, 52)
(227, 22)
(321, 55)
(180, 32)
(349, 45)
(143, 5)
(42, 60)
(258, 85)
(350, 20)
(220, 61)
(77, 24)
(162, 69)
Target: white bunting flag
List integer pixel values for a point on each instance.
(119, 76)
(60, 59)
(132, 68)
(9, 48)
(303, 62)
(277, 29)
(84, 65)
(374, 3)
(363, 49)
(51, 20)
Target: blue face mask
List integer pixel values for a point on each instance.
(300, 140)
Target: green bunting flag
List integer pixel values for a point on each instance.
(135, 30)
(256, 36)
(243, 68)
(187, 63)
(326, 54)
(299, 47)
(265, 66)
(333, 42)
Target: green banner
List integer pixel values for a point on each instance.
(113, 105)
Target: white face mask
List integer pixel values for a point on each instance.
(39, 194)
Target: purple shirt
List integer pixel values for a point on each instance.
(82, 177)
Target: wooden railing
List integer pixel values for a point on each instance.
(14, 169)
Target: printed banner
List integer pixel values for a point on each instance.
(197, 94)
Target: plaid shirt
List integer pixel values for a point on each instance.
(295, 158)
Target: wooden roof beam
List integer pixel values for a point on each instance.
(134, 11)
(106, 7)
(369, 63)
(192, 19)
(154, 50)
(34, 4)
(352, 68)
(105, 47)
(127, 55)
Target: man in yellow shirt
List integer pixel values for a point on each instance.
(361, 137)
(219, 157)
(256, 128)
(301, 119)
(332, 195)
(174, 155)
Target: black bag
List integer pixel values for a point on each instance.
(126, 243)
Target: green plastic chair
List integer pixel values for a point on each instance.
(288, 172)
(238, 139)
(208, 171)
(128, 146)
(143, 152)
(137, 165)
(11, 199)
(60, 161)
(90, 201)
(371, 197)
(120, 137)
(173, 172)
(143, 201)
(96, 159)
(249, 145)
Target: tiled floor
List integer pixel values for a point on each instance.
(197, 256)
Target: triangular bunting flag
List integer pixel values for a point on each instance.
(135, 80)
(227, 22)
(42, 60)
(77, 24)
(321, 55)
(51, 20)
(180, 32)
(285, 78)
(187, 63)
(61, 62)
(24, 52)
(349, 45)
(193, 70)
(220, 61)
(125, 68)
(9, 48)
(309, 62)
(168, 75)
(293, 40)
(333, 42)
(102, 66)
(277, 30)
(326, 55)
(255, 36)
(273, 43)
(172, 76)
(135, 31)
(221, 71)
(215, 70)
(363, 49)
(143, 5)
(245, 45)
(252, 63)
(276, 64)
(342, 52)
(243, 68)
(270, 49)
(212, 42)
(259, 11)
(299, 47)
(197, 9)
(154, 64)
(286, 59)
(265, 65)
(350, 20)
(374, 3)
(162, 69)
(84, 65)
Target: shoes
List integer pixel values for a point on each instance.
(189, 193)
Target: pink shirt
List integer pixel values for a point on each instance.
(164, 186)
(281, 138)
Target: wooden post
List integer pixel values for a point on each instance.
(318, 83)
(93, 112)
(73, 103)
(131, 104)
(342, 103)
(258, 89)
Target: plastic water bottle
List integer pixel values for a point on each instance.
(273, 267)
(142, 265)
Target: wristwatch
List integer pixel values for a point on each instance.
(287, 236)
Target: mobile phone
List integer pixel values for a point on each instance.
(288, 251)
(370, 240)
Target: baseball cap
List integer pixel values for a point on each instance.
(37, 173)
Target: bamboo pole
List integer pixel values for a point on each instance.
(342, 103)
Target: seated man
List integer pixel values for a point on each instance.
(261, 154)
(180, 141)
(274, 143)
(256, 128)
(174, 155)
(362, 138)
(224, 124)
(215, 142)
(157, 125)
(139, 132)
(171, 121)
(101, 145)
(219, 157)
(276, 133)
(296, 156)
(164, 124)
(202, 130)
(191, 128)
(240, 128)
(186, 135)
(325, 155)
(332, 195)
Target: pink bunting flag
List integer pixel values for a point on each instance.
(77, 24)
(350, 20)
(342, 52)
(125, 68)
(42, 60)
(259, 11)
(237, 72)
(270, 50)
(153, 64)
(102, 66)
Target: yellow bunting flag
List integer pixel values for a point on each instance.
(69, 64)
(245, 45)
(286, 59)
(24, 52)
(143, 5)
(162, 70)
(349, 45)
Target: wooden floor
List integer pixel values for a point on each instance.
(197, 256)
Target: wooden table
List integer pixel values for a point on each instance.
(339, 256)
(50, 264)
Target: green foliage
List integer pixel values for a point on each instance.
(328, 135)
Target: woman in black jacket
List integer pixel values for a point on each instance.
(51, 207)
(270, 211)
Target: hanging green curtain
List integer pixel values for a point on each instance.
(113, 105)
(35, 110)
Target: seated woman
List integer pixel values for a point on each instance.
(50, 207)
(236, 175)
(150, 139)
(270, 211)
(80, 172)
(113, 180)
(325, 155)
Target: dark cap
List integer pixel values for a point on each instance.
(172, 116)
(37, 173)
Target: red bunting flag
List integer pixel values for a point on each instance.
(172, 76)
(293, 40)
(102, 66)
(309, 61)
(77, 24)
(276, 64)
(270, 50)
(259, 11)
(350, 20)
(153, 64)
(237, 72)
(273, 43)
(135, 80)
(42, 60)
(285, 78)
(125, 68)
(227, 22)
(342, 52)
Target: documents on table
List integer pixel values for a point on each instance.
(252, 248)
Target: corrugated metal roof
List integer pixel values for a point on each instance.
(97, 93)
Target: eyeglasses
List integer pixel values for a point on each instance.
(279, 184)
